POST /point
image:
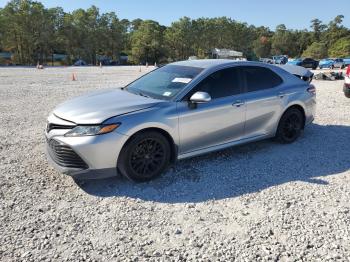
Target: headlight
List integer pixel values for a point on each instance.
(92, 130)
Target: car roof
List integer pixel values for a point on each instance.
(205, 63)
(213, 64)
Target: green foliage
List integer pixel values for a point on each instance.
(186, 37)
(147, 42)
(316, 50)
(283, 42)
(262, 47)
(335, 31)
(34, 33)
(318, 29)
(341, 48)
(2, 61)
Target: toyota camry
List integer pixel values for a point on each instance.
(177, 111)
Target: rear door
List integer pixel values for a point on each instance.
(263, 98)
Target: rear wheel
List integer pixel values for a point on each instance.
(290, 126)
(145, 156)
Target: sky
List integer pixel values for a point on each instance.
(295, 14)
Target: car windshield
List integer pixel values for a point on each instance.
(165, 82)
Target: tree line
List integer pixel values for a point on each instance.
(33, 33)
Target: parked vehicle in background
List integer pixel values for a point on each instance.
(280, 59)
(326, 63)
(346, 61)
(266, 60)
(80, 62)
(339, 63)
(306, 62)
(347, 83)
(295, 61)
(178, 111)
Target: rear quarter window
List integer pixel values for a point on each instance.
(260, 78)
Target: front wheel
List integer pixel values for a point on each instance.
(290, 126)
(145, 156)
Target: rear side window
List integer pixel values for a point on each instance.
(222, 83)
(260, 78)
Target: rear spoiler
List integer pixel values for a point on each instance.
(299, 72)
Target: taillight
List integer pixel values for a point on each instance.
(311, 89)
(348, 71)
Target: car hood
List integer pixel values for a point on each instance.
(96, 107)
(298, 71)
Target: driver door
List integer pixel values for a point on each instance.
(218, 121)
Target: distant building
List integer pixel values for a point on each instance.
(123, 58)
(217, 53)
(5, 58)
(6, 55)
(193, 58)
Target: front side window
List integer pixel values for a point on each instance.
(260, 78)
(220, 84)
(165, 82)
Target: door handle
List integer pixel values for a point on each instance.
(238, 103)
(281, 94)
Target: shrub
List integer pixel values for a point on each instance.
(341, 48)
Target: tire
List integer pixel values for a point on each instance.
(145, 156)
(290, 126)
(346, 91)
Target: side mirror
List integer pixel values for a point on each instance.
(200, 97)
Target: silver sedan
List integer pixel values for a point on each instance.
(178, 111)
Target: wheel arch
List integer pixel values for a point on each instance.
(166, 134)
(296, 106)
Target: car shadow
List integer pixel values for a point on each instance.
(321, 151)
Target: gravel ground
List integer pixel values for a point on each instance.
(257, 202)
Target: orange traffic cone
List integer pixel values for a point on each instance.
(73, 77)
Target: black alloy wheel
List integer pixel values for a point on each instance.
(290, 126)
(145, 156)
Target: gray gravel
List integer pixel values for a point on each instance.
(257, 202)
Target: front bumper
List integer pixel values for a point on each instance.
(99, 153)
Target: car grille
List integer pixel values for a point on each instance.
(51, 126)
(65, 156)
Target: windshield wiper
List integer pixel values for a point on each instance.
(144, 95)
